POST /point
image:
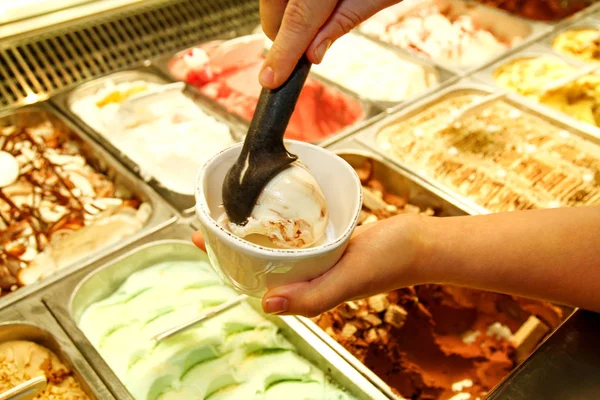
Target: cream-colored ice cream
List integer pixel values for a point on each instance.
(579, 43)
(291, 212)
(238, 354)
(436, 32)
(22, 360)
(372, 71)
(501, 158)
(168, 135)
(528, 76)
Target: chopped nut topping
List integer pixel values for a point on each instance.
(378, 303)
(395, 316)
(349, 330)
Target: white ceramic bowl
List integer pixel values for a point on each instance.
(254, 269)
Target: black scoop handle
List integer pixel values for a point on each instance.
(263, 154)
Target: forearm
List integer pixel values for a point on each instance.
(547, 254)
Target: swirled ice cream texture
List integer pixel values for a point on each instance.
(237, 355)
(291, 212)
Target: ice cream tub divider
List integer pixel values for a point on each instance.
(102, 279)
(63, 101)
(126, 186)
(499, 22)
(31, 321)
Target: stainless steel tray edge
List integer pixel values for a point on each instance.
(161, 215)
(43, 329)
(304, 339)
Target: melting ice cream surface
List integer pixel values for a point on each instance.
(290, 213)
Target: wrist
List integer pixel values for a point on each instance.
(433, 257)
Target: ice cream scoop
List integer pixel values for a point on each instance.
(291, 211)
(267, 191)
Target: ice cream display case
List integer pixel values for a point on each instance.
(443, 107)
(239, 352)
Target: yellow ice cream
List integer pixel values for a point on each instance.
(527, 76)
(580, 43)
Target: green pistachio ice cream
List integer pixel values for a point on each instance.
(236, 355)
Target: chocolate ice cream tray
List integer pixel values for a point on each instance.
(487, 74)
(160, 214)
(68, 299)
(502, 24)
(182, 202)
(368, 136)
(419, 193)
(31, 321)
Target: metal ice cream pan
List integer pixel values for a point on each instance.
(486, 75)
(103, 278)
(370, 108)
(182, 202)
(368, 136)
(502, 24)
(124, 181)
(35, 324)
(419, 193)
(587, 23)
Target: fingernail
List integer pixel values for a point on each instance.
(267, 76)
(322, 49)
(276, 305)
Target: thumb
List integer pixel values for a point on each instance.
(316, 296)
(301, 22)
(347, 16)
(323, 293)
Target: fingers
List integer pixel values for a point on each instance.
(347, 279)
(271, 14)
(301, 21)
(347, 16)
(198, 240)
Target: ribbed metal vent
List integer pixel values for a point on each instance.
(36, 67)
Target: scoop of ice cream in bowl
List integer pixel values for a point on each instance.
(298, 229)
